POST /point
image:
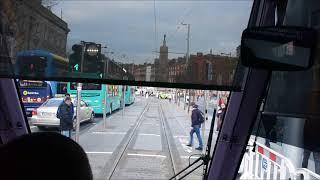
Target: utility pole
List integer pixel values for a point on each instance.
(205, 111)
(189, 92)
(184, 99)
(187, 58)
(105, 107)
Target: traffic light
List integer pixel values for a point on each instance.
(92, 58)
(75, 58)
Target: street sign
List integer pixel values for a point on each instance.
(264, 164)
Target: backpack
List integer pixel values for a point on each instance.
(201, 117)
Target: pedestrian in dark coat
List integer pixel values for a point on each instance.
(65, 115)
(195, 126)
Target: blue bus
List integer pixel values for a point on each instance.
(34, 93)
(40, 63)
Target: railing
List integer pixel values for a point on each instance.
(266, 163)
(306, 174)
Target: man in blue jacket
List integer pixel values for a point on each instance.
(195, 125)
(66, 117)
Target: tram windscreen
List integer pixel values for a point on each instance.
(148, 47)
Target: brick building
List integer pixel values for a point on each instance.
(176, 68)
(205, 69)
(144, 72)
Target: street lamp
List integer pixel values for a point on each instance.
(188, 41)
(187, 56)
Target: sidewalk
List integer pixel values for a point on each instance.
(179, 121)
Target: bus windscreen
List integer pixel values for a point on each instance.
(86, 86)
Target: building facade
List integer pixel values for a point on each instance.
(144, 72)
(39, 28)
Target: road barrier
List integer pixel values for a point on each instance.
(266, 163)
(306, 174)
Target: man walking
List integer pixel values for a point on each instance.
(65, 115)
(196, 120)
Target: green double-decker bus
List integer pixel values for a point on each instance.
(93, 95)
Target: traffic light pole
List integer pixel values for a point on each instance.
(79, 88)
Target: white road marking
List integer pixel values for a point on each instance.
(97, 152)
(147, 155)
(187, 157)
(112, 133)
(151, 124)
(180, 136)
(145, 134)
(184, 142)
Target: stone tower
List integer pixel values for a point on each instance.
(162, 64)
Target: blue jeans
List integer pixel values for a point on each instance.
(66, 133)
(196, 129)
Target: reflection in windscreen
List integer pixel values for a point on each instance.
(144, 42)
(52, 103)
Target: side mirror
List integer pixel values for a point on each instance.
(278, 48)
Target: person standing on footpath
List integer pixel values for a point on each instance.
(65, 115)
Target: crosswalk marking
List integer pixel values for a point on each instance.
(147, 155)
(112, 133)
(146, 134)
(99, 152)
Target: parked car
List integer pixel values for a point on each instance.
(45, 115)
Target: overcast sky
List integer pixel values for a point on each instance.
(128, 27)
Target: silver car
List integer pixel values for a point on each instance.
(45, 115)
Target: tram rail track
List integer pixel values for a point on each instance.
(124, 151)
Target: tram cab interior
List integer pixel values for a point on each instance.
(274, 104)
